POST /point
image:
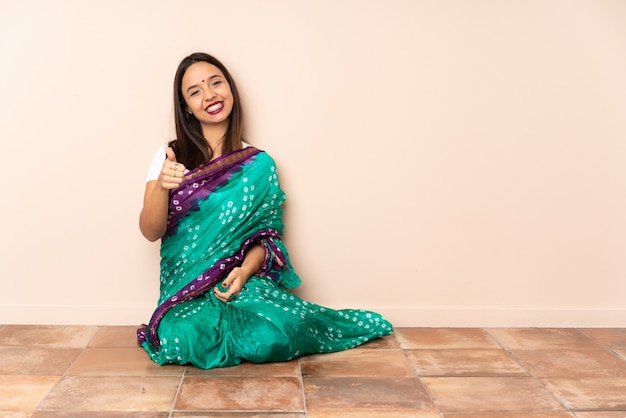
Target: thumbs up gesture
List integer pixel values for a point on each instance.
(172, 173)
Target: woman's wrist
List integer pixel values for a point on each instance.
(253, 260)
(247, 272)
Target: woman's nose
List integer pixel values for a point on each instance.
(209, 94)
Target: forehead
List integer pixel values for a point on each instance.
(199, 72)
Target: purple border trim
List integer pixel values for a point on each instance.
(201, 182)
(209, 279)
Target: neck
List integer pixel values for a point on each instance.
(215, 143)
(215, 137)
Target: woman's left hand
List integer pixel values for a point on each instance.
(233, 284)
(237, 278)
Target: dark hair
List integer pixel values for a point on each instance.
(190, 146)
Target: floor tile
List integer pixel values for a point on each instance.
(208, 393)
(120, 362)
(490, 394)
(106, 393)
(404, 413)
(442, 338)
(115, 337)
(100, 414)
(601, 394)
(541, 338)
(238, 415)
(466, 362)
(511, 415)
(358, 363)
(572, 363)
(46, 336)
(608, 337)
(97, 372)
(366, 395)
(23, 393)
(36, 361)
(613, 339)
(14, 414)
(385, 343)
(277, 369)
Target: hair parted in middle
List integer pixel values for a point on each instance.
(190, 146)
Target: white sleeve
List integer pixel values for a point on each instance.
(157, 164)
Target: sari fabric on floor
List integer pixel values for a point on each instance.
(219, 211)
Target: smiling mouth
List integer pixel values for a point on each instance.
(215, 107)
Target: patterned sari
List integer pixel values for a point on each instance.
(219, 211)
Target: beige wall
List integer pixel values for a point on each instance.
(447, 163)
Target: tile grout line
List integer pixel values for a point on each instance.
(180, 385)
(306, 414)
(523, 366)
(604, 347)
(419, 378)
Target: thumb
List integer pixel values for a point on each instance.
(227, 281)
(230, 278)
(169, 152)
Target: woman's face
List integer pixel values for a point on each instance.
(207, 94)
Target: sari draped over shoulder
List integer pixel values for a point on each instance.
(219, 211)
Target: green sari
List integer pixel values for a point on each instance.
(219, 211)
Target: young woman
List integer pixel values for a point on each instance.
(215, 203)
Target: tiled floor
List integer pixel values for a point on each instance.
(84, 371)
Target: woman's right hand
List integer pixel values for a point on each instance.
(172, 173)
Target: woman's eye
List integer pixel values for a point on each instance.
(216, 83)
(194, 93)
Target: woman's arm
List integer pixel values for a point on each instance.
(153, 217)
(253, 260)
